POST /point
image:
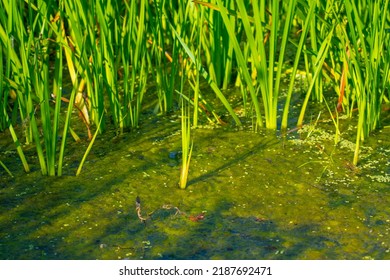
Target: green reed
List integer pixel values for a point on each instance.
(6, 169)
(187, 144)
(88, 150)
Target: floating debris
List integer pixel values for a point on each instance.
(197, 218)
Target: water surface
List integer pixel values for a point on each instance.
(250, 196)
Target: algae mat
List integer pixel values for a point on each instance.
(250, 196)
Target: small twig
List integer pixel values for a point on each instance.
(138, 209)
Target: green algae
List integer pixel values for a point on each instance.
(261, 197)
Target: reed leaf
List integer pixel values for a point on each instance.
(6, 169)
(88, 150)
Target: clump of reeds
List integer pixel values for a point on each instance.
(187, 144)
(110, 50)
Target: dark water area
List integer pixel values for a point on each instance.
(251, 195)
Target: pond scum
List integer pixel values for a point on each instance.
(281, 106)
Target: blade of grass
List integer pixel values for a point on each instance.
(88, 149)
(6, 169)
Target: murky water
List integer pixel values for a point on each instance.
(250, 196)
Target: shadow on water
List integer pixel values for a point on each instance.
(234, 237)
(254, 151)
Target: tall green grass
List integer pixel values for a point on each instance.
(369, 62)
(76, 67)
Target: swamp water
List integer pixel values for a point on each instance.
(250, 196)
